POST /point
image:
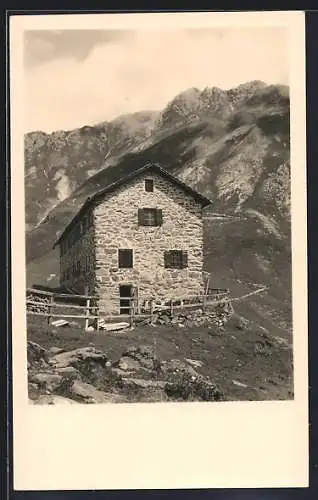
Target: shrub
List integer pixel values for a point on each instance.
(184, 387)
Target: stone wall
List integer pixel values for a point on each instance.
(116, 226)
(82, 251)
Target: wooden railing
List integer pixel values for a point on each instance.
(53, 305)
(67, 306)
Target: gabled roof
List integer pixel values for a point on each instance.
(125, 180)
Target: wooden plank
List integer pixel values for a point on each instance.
(61, 295)
(79, 316)
(69, 296)
(65, 306)
(39, 292)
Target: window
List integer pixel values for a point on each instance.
(150, 217)
(176, 259)
(125, 258)
(149, 185)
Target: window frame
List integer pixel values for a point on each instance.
(176, 259)
(120, 253)
(156, 216)
(149, 183)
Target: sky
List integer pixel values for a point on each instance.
(82, 77)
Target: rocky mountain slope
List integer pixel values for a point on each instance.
(233, 146)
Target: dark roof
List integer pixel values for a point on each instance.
(127, 178)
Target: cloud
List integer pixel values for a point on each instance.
(144, 70)
(45, 45)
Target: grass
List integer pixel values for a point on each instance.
(244, 362)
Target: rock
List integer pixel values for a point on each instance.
(239, 384)
(79, 356)
(194, 362)
(122, 373)
(147, 363)
(69, 372)
(35, 352)
(48, 381)
(32, 386)
(176, 365)
(55, 350)
(183, 387)
(127, 363)
(146, 351)
(86, 393)
(145, 384)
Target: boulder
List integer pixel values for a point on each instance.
(69, 372)
(35, 353)
(55, 350)
(145, 384)
(127, 363)
(78, 357)
(144, 355)
(87, 393)
(47, 381)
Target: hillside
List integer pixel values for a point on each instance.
(232, 146)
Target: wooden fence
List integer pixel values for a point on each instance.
(53, 305)
(85, 307)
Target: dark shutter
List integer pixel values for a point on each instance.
(159, 217)
(184, 259)
(141, 216)
(168, 259)
(125, 258)
(149, 185)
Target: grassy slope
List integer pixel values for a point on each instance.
(264, 366)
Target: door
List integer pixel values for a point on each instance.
(125, 291)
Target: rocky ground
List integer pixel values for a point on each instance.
(186, 358)
(86, 375)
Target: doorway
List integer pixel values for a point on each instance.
(125, 291)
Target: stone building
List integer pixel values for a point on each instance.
(142, 235)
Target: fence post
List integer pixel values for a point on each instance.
(204, 302)
(171, 307)
(131, 310)
(87, 308)
(151, 311)
(50, 306)
(97, 315)
(131, 314)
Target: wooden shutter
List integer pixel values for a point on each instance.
(141, 216)
(159, 217)
(168, 259)
(149, 185)
(184, 259)
(125, 258)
